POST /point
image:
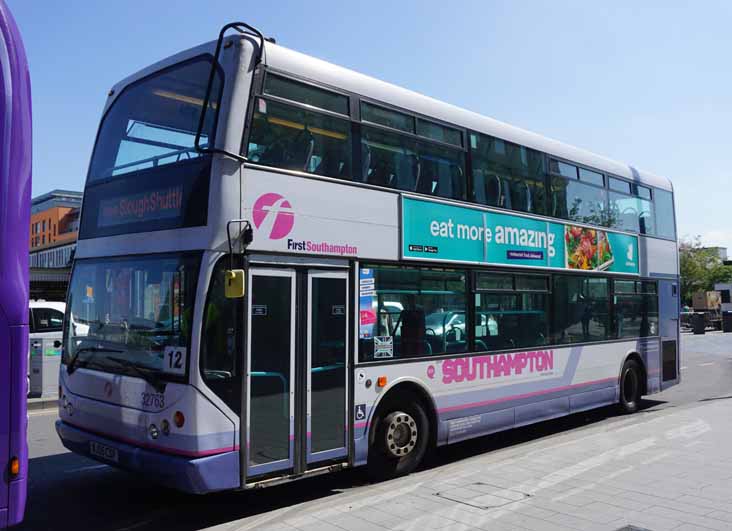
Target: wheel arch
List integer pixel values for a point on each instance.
(406, 386)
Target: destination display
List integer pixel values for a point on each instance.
(146, 206)
(163, 198)
(438, 231)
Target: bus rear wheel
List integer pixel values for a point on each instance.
(401, 439)
(630, 386)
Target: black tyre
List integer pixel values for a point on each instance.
(401, 438)
(630, 386)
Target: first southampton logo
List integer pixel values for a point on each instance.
(272, 214)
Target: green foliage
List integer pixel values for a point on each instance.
(701, 268)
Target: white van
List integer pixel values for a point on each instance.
(46, 320)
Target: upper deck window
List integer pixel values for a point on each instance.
(294, 138)
(591, 177)
(438, 132)
(578, 194)
(306, 94)
(619, 185)
(153, 122)
(400, 161)
(381, 116)
(630, 207)
(664, 205)
(507, 175)
(145, 173)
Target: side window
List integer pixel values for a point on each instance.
(220, 363)
(406, 162)
(507, 175)
(47, 320)
(630, 207)
(305, 139)
(664, 204)
(636, 308)
(410, 312)
(577, 194)
(580, 309)
(510, 319)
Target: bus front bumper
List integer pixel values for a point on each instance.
(193, 475)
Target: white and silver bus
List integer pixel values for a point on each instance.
(286, 268)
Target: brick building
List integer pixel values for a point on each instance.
(53, 233)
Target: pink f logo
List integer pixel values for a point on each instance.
(273, 214)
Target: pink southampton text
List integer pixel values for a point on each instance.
(493, 366)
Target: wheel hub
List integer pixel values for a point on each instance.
(401, 434)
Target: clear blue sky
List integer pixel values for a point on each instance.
(648, 83)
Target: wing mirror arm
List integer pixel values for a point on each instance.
(234, 287)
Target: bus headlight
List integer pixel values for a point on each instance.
(153, 431)
(165, 426)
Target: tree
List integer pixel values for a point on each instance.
(701, 268)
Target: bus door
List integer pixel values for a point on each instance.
(296, 414)
(668, 301)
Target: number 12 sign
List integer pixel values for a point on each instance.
(174, 360)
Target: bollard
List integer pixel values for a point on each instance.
(726, 322)
(698, 323)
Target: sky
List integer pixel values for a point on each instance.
(646, 83)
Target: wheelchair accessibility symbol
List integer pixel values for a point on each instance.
(361, 412)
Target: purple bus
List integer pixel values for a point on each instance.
(15, 190)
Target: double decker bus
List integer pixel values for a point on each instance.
(287, 268)
(15, 190)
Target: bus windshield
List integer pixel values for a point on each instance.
(146, 173)
(153, 122)
(131, 315)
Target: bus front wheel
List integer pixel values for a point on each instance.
(401, 438)
(630, 386)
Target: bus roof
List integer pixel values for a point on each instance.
(305, 66)
(308, 67)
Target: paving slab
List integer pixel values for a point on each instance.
(644, 472)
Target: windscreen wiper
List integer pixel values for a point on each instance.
(146, 374)
(71, 367)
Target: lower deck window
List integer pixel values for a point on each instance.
(636, 308)
(419, 312)
(580, 309)
(408, 313)
(506, 321)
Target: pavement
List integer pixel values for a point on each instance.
(668, 466)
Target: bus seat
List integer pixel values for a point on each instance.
(406, 175)
(301, 150)
(520, 195)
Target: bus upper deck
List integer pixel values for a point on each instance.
(312, 117)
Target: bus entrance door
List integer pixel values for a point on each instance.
(296, 408)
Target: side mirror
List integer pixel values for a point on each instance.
(234, 287)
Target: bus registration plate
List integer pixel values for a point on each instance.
(103, 451)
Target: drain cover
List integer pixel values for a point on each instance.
(483, 495)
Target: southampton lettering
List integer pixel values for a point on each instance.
(497, 365)
(322, 247)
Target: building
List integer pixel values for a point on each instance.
(719, 251)
(53, 233)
